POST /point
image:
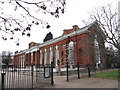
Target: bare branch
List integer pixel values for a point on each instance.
(107, 19)
(33, 2)
(9, 23)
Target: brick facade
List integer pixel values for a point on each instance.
(83, 48)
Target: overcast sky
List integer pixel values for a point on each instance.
(76, 11)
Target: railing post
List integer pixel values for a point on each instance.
(32, 74)
(88, 71)
(36, 67)
(95, 69)
(67, 70)
(52, 82)
(78, 71)
(2, 81)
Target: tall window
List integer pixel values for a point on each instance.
(71, 53)
(97, 53)
(51, 54)
(40, 57)
(45, 56)
(57, 54)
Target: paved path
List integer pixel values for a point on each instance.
(60, 82)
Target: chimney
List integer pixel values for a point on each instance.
(16, 52)
(75, 27)
(32, 44)
(29, 45)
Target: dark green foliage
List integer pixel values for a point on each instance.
(48, 36)
(111, 58)
(6, 57)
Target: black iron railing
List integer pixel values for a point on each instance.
(33, 76)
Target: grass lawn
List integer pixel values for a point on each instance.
(113, 74)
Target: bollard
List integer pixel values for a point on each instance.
(52, 82)
(2, 81)
(78, 71)
(88, 71)
(32, 74)
(67, 70)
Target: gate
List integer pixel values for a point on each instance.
(29, 77)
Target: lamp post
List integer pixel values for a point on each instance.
(67, 48)
(69, 39)
(78, 62)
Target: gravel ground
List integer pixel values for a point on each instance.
(60, 82)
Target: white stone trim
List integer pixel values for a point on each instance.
(40, 51)
(41, 57)
(27, 52)
(34, 50)
(56, 47)
(57, 56)
(51, 55)
(45, 58)
(45, 50)
(50, 48)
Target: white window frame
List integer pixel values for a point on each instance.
(41, 57)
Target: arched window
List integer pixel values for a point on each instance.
(97, 53)
(57, 55)
(40, 57)
(45, 57)
(71, 53)
(51, 54)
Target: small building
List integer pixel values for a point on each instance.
(84, 45)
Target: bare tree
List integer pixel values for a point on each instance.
(6, 57)
(107, 18)
(21, 15)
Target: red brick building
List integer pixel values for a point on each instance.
(84, 45)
